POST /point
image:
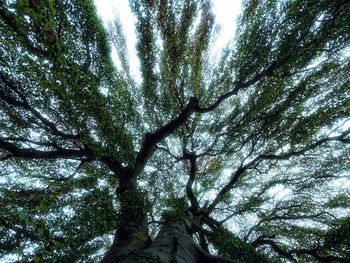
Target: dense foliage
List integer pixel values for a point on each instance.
(250, 151)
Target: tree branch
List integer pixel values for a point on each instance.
(227, 187)
(50, 126)
(289, 254)
(261, 241)
(29, 153)
(237, 86)
(151, 139)
(341, 138)
(29, 141)
(10, 21)
(189, 191)
(285, 156)
(81, 164)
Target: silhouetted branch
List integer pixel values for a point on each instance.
(261, 241)
(24, 104)
(151, 139)
(189, 191)
(29, 153)
(284, 156)
(290, 254)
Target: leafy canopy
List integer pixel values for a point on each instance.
(256, 144)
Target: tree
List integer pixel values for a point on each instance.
(244, 159)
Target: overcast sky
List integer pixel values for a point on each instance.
(225, 12)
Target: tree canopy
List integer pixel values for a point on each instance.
(250, 152)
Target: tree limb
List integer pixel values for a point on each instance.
(50, 126)
(284, 156)
(189, 191)
(29, 153)
(151, 139)
(290, 253)
(274, 246)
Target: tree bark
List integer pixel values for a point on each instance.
(172, 244)
(132, 244)
(132, 232)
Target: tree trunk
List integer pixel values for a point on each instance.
(132, 242)
(172, 244)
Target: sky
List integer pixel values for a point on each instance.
(225, 11)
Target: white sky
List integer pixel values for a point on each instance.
(226, 12)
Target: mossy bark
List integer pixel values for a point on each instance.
(172, 244)
(132, 243)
